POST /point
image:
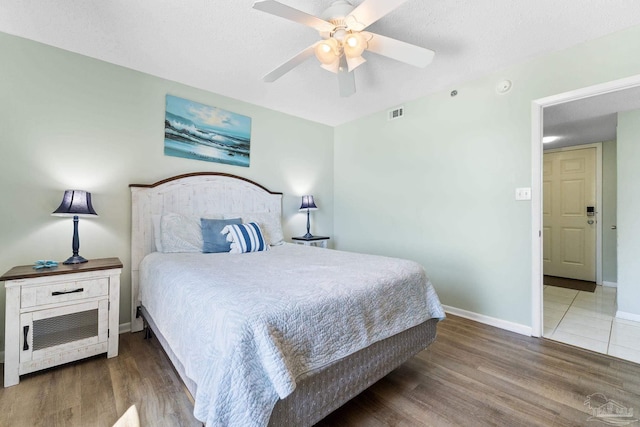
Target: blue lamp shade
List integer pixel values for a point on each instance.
(309, 205)
(75, 203)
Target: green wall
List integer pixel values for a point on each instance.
(628, 217)
(69, 121)
(609, 212)
(437, 186)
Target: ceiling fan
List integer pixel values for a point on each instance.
(341, 27)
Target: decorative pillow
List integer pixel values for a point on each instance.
(213, 241)
(270, 224)
(245, 238)
(179, 233)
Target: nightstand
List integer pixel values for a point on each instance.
(311, 241)
(59, 315)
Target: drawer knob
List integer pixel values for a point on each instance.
(53, 294)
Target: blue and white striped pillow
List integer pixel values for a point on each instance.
(245, 238)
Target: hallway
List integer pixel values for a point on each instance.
(587, 320)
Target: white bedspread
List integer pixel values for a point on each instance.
(245, 326)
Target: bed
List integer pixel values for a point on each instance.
(287, 350)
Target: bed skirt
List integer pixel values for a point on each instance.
(321, 392)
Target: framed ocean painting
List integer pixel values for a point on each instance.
(200, 132)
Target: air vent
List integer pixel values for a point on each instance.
(396, 113)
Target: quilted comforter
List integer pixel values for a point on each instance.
(245, 326)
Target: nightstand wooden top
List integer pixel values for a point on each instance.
(28, 272)
(310, 239)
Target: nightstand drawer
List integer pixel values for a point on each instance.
(62, 292)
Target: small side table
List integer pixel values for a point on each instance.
(59, 315)
(320, 241)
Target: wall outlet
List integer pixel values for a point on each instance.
(523, 193)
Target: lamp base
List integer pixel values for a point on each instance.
(75, 259)
(308, 235)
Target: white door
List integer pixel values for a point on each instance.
(569, 232)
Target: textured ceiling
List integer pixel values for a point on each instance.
(226, 47)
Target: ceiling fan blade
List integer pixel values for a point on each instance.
(369, 11)
(290, 64)
(287, 12)
(346, 80)
(400, 51)
(354, 63)
(334, 68)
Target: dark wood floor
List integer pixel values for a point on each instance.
(473, 375)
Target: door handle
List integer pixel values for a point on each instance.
(614, 227)
(25, 331)
(590, 222)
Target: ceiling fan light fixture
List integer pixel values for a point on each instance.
(354, 44)
(327, 51)
(339, 34)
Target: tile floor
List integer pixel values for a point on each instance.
(587, 320)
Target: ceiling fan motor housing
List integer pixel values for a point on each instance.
(337, 12)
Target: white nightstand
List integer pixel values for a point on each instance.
(311, 241)
(55, 316)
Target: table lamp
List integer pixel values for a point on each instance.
(75, 203)
(309, 205)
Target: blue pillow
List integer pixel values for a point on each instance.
(245, 238)
(212, 239)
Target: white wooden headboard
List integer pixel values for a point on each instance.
(195, 194)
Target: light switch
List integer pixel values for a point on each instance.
(523, 193)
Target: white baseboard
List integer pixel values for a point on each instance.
(610, 284)
(492, 321)
(628, 316)
(124, 328)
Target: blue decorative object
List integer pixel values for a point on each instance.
(213, 241)
(245, 238)
(41, 263)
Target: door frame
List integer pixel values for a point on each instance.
(537, 109)
(598, 217)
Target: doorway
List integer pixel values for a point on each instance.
(538, 107)
(598, 92)
(575, 310)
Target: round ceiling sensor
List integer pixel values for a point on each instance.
(503, 87)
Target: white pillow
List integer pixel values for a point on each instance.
(270, 223)
(245, 238)
(157, 236)
(179, 233)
